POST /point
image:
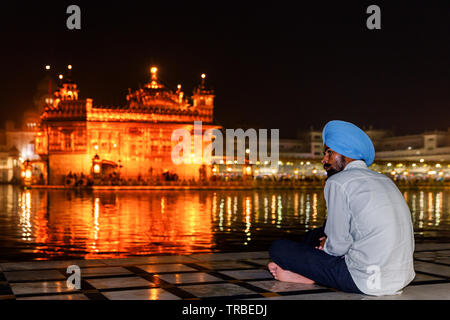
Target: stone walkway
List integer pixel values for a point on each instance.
(240, 275)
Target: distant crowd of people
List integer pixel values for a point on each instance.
(78, 180)
(113, 178)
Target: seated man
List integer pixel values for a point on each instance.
(368, 241)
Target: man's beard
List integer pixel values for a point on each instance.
(338, 166)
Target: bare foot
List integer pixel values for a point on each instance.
(273, 269)
(286, 275)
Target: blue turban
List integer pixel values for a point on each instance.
(349, 140)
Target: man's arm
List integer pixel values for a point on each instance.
(337, 228)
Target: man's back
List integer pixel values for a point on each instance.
(370, 223)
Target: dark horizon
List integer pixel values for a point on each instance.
(275, 67)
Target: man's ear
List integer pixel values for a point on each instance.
(348, 160)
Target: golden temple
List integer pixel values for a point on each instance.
(133, 141)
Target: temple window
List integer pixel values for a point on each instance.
(67, 141)
(105, 147)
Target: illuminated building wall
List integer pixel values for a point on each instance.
(9, 165)
(135, 138)
(17, 146)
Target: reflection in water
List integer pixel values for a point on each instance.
(25, 214)
(43, 224)
(436, 206)
(421, 205)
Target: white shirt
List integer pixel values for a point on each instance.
(370, 224)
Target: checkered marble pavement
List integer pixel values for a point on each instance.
(214, 276)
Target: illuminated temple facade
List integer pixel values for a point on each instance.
(134, 140)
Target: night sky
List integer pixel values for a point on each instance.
(275, 65)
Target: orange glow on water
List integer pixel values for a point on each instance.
(119, 224)
(49, 224)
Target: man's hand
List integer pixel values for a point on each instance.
(322, 243)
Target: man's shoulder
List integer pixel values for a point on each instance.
(355, 175)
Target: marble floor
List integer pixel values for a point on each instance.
(214, 276)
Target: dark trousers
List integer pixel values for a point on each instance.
(303, 258)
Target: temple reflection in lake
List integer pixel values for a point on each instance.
(47, 224)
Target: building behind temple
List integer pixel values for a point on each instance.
(77, 136)
(429, 145)
(17, 145)
(424, 155)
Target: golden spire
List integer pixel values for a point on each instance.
(154, 71)
(154, 79)
(202, 85)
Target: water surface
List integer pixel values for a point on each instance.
(52, 224)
